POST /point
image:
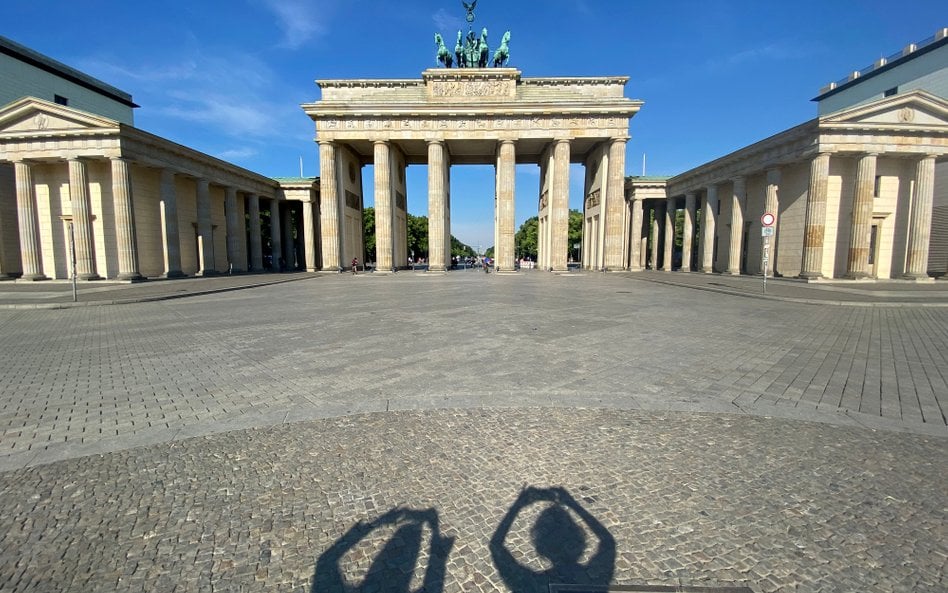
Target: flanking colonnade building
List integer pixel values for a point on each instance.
(859, 192)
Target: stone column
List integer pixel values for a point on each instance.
(559, 206)
(708, 218)
(256, 241)
(737, 226)
(309, 237)
(658, 218)
(82, 220)
(635, 249)
(669, 242)
(920, 226)
(276, 242)
(506, 223)
(815, 226)
(171, 235)
(857, 264)
(27, 216)
(688, 232)
(329, 209)
(614, 206)
(205, 229)
(384, 209)
(28, 219)
(437, 206)
(124, 220)
(232, 215)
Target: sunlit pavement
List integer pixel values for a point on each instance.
(473, 432)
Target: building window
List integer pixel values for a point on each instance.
(890, 92)
(60, 100)
(877, 187)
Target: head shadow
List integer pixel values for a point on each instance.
(559, 540)
(394, 566)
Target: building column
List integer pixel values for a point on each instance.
(309, 236)
(124, 220)
(815, 226)
(437, 206)
(233, 215)
(559, 206)
(205, 229)
(669, 241)
(614, 206)
(171, 238)
(82, 220)
(635, 249)
(857, 264)
(276, 242)
(504, 250)
(920, 226)
(256, 242)
(329, 209)
(772, 205)
(738, 195)
(384, 208)
(709, 216)
(28, 219)
(658, 218)
(688, 232)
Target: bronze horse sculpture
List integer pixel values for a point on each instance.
(503, 52)
(444, 56)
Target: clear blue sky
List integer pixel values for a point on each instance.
(227, 77)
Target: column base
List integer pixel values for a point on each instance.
(384, 272)
(734, 272)
(707, 270)
(857, 276)
(207, 273)
(437, 268)
(32, 277)
(86, 277)
(174, 274)
(810, 276)
(130, 277)
(918, 277)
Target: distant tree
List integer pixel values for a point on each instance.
(575, 233)
(489, 252)
(525, 241)
(418, 236)
(459, 249)
(368, 232)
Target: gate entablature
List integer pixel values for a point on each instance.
(471, 110)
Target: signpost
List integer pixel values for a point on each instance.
(766, 232)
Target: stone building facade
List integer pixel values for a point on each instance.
(857, 192)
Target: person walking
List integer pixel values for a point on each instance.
(355, 264)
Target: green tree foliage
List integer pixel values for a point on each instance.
(459, 249)
(368, 232)
(525, 241)
(418, 236)
(489, 252)
(575, 233)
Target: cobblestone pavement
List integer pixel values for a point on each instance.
(434, 499)
(420, 405)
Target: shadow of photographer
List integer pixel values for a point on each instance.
(558, 539)
(393, 568)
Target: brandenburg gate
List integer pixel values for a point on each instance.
(476, 115)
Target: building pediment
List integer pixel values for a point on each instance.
(35, 117)
(916, 109)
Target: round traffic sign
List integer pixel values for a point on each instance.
(767, 219)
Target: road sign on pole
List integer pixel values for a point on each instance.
(768, 219)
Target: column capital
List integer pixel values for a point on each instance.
(325, 142)
(503, 141)
(381, 142)
(558, 141)
(738, 179)
(434, 141)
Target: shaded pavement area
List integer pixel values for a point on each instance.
(473, 432)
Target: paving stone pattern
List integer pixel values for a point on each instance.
(386, 426)
(374, 500)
